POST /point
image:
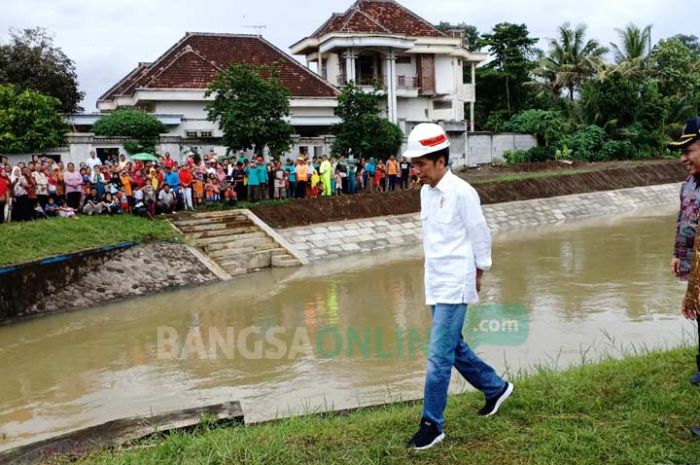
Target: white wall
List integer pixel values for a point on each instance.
(333, 68)
(413, 109)
(444, 75)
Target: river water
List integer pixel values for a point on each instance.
(340, 334)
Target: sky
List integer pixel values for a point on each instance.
(106, 39)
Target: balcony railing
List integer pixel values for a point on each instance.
(402, 81)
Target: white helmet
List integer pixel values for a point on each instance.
(426, 138)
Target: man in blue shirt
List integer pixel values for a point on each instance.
(253, 182)
(292, 177)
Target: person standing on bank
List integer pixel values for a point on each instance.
(687, 222)
(457, 246)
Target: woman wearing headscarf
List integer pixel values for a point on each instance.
(21, 206)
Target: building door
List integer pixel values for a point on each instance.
(108, 154)
(426, 74)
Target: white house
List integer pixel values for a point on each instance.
(420, 68)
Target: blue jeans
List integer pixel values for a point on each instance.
(448, 349)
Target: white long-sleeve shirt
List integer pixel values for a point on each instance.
(456, 241)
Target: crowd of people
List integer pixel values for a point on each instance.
(44, 187)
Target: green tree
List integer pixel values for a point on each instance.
(635, 43)
(690, 41)
(546, 125)
(471, 33)
(29, 121)
(251, 106)
(500, 83)
(141, 127)
(31, 61)
(677, 70)
(362, 130)
(571, 60)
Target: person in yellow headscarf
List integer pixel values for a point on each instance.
(325, 170)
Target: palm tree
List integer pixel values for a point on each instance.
(635, 44)
(571, 60)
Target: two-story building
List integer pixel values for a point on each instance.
(426, 74)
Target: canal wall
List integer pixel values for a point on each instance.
(336, 239)
(96, 276)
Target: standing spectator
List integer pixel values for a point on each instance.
(4, 194)
(149, 199)
(371, 171)
(127, 188)
(405, 172)
(21, 206)
(392, 171)
(42, 185)
(172, 179)
(238, 176)
(325, 171)
(56, 184)
(122, 161)
(186, 181)
(253, 183)
(74, 187)
(92, 162)
(166, 200)
(301, 174)
(31, 186)
(168, 162)
(280, 190)
(262, 179)
(198, 188)
(291, 177)
(352, 177)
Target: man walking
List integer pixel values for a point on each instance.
(457, 246)
(686, 224)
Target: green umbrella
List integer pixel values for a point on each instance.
(145, 157)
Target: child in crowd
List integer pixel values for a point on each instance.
(338, 183)
(64, 211)
(209, 188)
(51, 208)
(198, 189)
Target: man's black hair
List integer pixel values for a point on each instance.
(435, 156)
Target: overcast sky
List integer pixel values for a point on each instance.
(106, 38)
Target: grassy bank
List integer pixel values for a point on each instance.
(23, 242)
(633, 411)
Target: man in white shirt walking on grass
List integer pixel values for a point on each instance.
(457, 246)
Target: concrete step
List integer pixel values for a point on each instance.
(234, 269)
(230, 256)
(191, 236)
(233, 239)
(197, 220)
(255, 259)
(200, 228)
(233, 252)
(257, 243)
(284, 261)
(216, 214)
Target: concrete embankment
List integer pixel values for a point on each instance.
(97, 276)
(335, 239)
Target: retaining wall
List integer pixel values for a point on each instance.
(329, 240)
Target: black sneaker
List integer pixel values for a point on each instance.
(427, 436)
(492, 404)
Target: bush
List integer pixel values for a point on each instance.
(138, 125)
(616, 150)
(546, 125)
(586, 144)
(516, 157)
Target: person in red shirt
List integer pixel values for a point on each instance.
(4, 194)
(167, 161)
(186, 180)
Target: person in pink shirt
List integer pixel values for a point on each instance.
(74, 186)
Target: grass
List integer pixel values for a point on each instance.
(532, 175)
(23, 242)
(631, 411)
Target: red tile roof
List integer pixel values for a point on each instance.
(193, 62)
(379, 16)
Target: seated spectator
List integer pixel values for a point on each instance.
(167, 201)
(93, 204)
(51, 208)
(39, 213)
(109, 205)
(64, 211)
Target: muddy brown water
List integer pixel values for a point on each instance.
(340, 334)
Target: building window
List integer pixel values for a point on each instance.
(205, 134)
(191, 134)
(403, 59)
(442, 104)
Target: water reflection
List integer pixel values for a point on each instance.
(568, 284)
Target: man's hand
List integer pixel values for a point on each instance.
(676, 267)
(479, 274)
